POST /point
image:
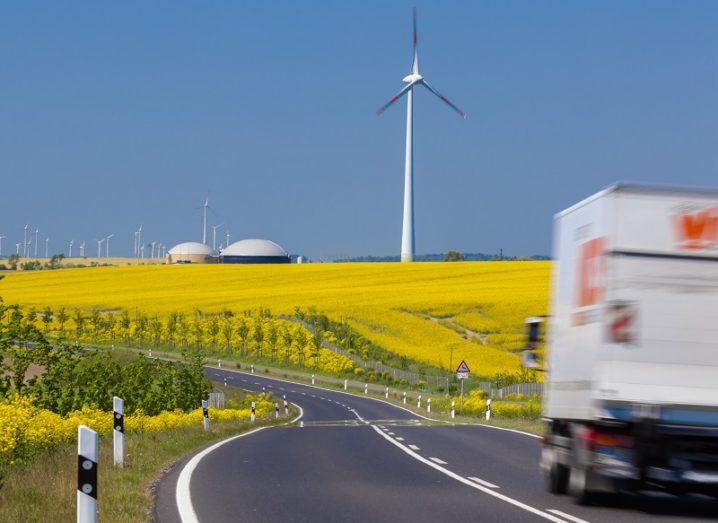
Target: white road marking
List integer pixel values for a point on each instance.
(465, 481)
(390, 433)
(414, 447)
(567, 516)
(399, 439)
(183, 494)
(484, 483)
(439, 461)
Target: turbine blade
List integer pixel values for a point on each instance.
(394, 98)
(444, 99)
(415, 63)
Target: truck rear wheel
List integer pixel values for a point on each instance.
(557, 478)
(577, 486)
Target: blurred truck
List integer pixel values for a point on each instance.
(631, 399)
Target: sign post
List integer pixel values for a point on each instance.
(462, 373)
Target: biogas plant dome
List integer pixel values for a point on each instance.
(190, 252)
(254, 251)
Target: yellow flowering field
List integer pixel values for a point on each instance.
(26, 429)
(438, 313)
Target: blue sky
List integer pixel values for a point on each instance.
(120, 113)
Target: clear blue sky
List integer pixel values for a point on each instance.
(120, 113)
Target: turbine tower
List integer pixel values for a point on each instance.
(411, 80)
(82, 250)
(99, 247)
(1, 239)
(69, 254)
(36, 231)
(204, 222)
(107, 245)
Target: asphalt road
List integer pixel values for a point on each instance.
(353, 458)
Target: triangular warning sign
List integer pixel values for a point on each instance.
(463, 367)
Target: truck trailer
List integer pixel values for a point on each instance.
(631, 396)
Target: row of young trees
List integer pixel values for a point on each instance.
(250, 334)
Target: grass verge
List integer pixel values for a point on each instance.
(44, 490)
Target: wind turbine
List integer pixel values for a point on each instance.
(69, 254)
(107, 245)
(99, 247)
(17, 249)
(227, 239)
(82, 250)
(47, 247)
(214, 236)
(36, 231)
(138, 241)
(204, 222)
(152, 249)
(411, 80)
(1, 239)
(24, 243)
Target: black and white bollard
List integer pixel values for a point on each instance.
(276, 409)
(225, 381)
(149, 354)
(312, 379)
(428, 405)
(345, 384)
(252, 368)
(118, 432)
(286, 406)
(264, 391)
(205, 414)
(453, 409)
(219, 364)
(366, 388)
(418, 403)
(488, 409)
(252, 416)
(404, 397)
(87, 459)
(386, 393)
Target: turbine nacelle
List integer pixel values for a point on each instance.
(412, 78)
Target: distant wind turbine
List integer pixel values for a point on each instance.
(69, 254)
(214, 236)
(82, 250)
(99, 247)
(204, 221)
(1, 239)
(47, 247)
(36, 231)
(107, 245)
(412, 80)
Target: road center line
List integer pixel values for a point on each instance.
(567, 516)
(437, 460)
(484, 483)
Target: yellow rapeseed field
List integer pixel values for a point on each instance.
(432, 312)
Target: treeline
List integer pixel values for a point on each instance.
(253, 334)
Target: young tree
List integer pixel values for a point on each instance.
(62, 318)
(242, 330)
(258, 336)
(47, 318)
(79, 321)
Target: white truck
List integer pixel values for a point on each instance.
(631, 399)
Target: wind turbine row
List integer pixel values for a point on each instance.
(414, 79)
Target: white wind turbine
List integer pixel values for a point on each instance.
(107, 245)
(82, 250)
(214, 236)
(69, 254)
(99, 247)
(2, 237)
(411, 80)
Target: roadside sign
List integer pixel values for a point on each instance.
(462, 371)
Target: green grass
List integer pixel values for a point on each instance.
(44, 490)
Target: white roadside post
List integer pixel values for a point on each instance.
(404, 397)
(418, 403)
(428, 405)
(453, 409)
(345, 384)
(149, 354)
(286, 406)
(118, 432)
(86, 475)
(251, 417)
(276, 409)
(219, 363)
(252, 368)
(225, 381)
(488, 409)
(386, 393)
(366, 388)
(312, 379)
(205, 414)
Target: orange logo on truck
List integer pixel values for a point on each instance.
(591, 268)
(697, 230)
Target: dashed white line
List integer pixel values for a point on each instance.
(484, 483)
(414, 447)
(399, 439)
(390, 433)
(439, 461)
(567, 516)
(461, 479)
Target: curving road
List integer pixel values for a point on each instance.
(353, 458)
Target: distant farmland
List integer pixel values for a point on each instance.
(427, 311)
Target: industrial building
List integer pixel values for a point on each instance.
(190, 252)
(253, 251)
